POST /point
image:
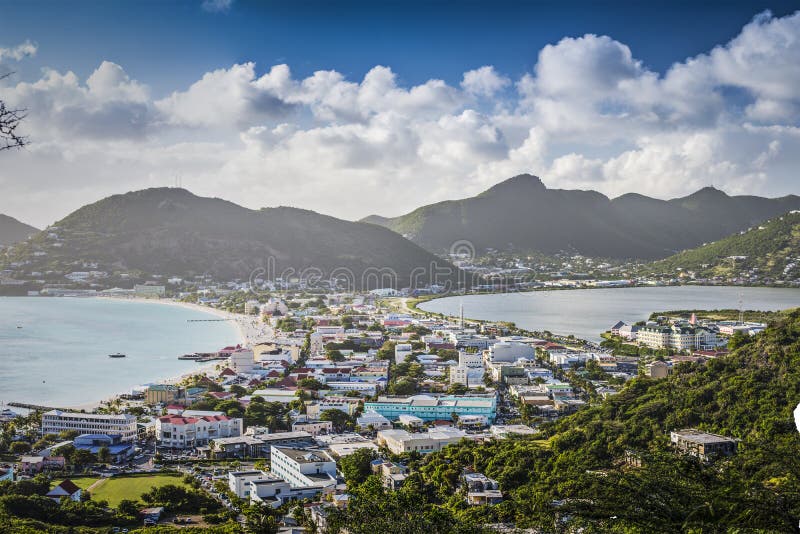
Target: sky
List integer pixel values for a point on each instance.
(354, 108)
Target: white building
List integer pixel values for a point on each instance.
(242, 361)
(315, 428)
(401, 351)
(181, 432)
(373, 419)
(510, 351)
(676, 336)
(401, 441)
(365, 388)
(56, 421)
(303, 467)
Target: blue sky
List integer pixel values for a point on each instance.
(166, 43)
(354, 108)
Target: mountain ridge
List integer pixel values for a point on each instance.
(523, 215)
(173, 231)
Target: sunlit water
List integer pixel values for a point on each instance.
(586, 313)
(60, 355)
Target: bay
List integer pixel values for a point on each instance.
(586, 313)
(59, 356)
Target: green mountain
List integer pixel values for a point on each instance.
(13, 231)
(610, 467)
(770, 250)
(173, 232)
(522, 214)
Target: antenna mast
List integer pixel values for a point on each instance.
(741, 309)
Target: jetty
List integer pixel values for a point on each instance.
(32, 407)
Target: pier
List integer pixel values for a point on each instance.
(32, 407)
(207, 320)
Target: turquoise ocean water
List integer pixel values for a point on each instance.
(60, 355)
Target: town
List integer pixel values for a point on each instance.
(332, 388)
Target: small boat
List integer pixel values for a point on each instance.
(116, 355)
(18, 326)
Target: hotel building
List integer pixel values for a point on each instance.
(430, 408)
(56, 421)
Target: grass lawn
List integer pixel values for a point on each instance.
(131, 487)
(81, 482)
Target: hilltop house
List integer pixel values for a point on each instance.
(67, 489)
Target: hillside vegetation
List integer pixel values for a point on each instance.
(521, 214)
(173, 232)
(581, 481)
(772, 249)
(13, 231)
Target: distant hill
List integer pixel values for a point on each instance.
(13, 231)
(173, 232)
(522, 214)
(772, 248)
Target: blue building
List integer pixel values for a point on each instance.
(432, 408)
(120, 451)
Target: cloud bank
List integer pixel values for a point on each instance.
(589, 115)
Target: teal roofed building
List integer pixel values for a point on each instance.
(432, 408)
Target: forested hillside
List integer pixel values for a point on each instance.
(574, 475)
(771, 249)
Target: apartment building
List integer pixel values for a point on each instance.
(401, 441)
(56, 421)
(431, 408)
(182, 431)
(303, 467)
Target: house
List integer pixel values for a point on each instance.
(372, 420)
(657, 369)
(481, 489)
(31, 465)
(315, 428)
(703, 445)
(615, 329)
(393, 476)
(67, 489)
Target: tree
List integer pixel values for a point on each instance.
(104, 455)
(238, 390)
(357, 467)
(310, 383)
(337, 417)
(260, 520)
(128, 507)
(457, 389)
(20, 447)
(81, 458)
(335, 356)
(10, 119)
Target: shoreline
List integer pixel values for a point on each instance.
(249, 331)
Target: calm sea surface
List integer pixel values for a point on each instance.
(586, 313)
(60, 355)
